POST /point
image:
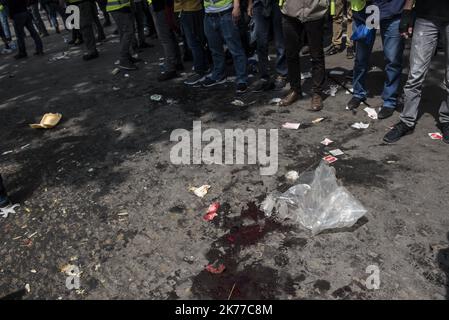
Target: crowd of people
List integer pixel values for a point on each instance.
(217, 30)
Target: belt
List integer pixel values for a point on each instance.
(219, 14)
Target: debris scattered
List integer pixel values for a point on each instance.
(4, 212)
(7, 152)
(371, 113)
(126, 75)
(211, 211)
(332, 91)
(275, 101)
(201, 191)
(306, 75)
(336, 72)
(48, 121)
(28, 288)
(317, 120)
(25, 146)
(291, 125)
(115, 71)
(122, 214)
(114, 88)
(330, 159)
(33, 271)
(360, 125)
(210, 268)
(156, 97)
(238, 103)
(436, 136)
(336, 152)
(326, 141)
(292, 175)
(317, 203)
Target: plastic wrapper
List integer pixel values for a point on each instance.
(318, 202)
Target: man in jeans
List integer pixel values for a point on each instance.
(304, 16)
(393, 47)
(191, 15)
(266, 14)
(221, 23)
(22, 19)
(4, 21)
(432, 21)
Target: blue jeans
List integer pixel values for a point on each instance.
(222, 27)
(393, 50)
(193, 27)
(263, 25)
(5, 24)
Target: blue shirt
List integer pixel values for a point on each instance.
(390, 8)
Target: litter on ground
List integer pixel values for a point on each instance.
(336, 152)
(435, 136)
(291, 125)
(360, 125)
(48, 121)
(4, 212)
(201, 191)
(326, 141)
(371, 113)
(330, 159)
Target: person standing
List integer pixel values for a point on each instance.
(221, 27)
(36, 15)
(342, 9)
(4, 21)
(22, 19)
(432, 20)
(124, 18)
(267, 15)
(139, 15)
(191, 16)
(86, 27)
(107, 19)
(393, 48)
(304, 16)
(52, 9)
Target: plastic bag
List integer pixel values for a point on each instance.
(317, 203)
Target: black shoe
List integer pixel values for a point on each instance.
(20, 56)
(385, 113)
(209, 82)
(91, 56)
(241, 88)
(350, 53)
(101, 38)
(179, 67)
(71, 42)
(354, 103)
(167, 76)
(445, 132)
(263, 84)
(135, 60)
(398, 131)
(107, 23)
(144, 45)
(333, 49)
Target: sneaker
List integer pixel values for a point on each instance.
(445, 132)
(241, 88)
(209, 82)
(167, 76)
(398, 131)
(333, 49)
(350, 52)
(354, 103)
(91, 56)
(127, 65)
(263, 84)
(316, 103)
(20, 56)
(385, 113)
(280, 82)
(194, 79)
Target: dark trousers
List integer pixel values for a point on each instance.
(125, 25)
(3, 194)
(293, 29)
(139, 15)
(86, 25)
(192, 23)
(102, 4)
(21, 21)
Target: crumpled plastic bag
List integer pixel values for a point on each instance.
(363, 33)
(317, 203)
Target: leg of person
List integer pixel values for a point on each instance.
(424, 42)
(125, 25)
(52, 13)
(149, 19)
(444, 109)
(349, 43)
(361, 64)
(4, 201)
(393, 45)
(262, 26)
(38, 19)
(315, 33)
(139, 16)
(19, 25)
(230, 33)
(166, 38)
(107, 19)
(293, 29)
(5, 24)
(191, 23)
(96, 20)
(215, 41)
(34, 34)
(281, 59)
(337, 27)
(87, 31)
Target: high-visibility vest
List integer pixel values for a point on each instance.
(150, 2)
(358, 5)
(281, 3)
(1, 7)
(73, 1)
(220, 3)
(114, 5)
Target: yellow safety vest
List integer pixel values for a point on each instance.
(1, 7)
(114, 5)
(358, 5)
(221, 3)
(150, 2)
(73, 1)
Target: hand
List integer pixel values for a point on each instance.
(250, 10)
(236, 14)
(406, 24)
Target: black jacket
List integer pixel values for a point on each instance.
(16, 6)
